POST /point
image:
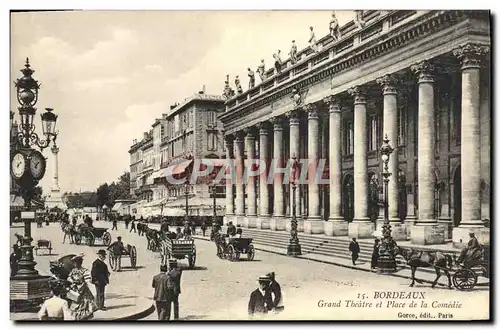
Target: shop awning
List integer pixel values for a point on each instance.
(180, 168)
(117, 207)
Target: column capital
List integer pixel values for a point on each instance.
(359, 93)
(263, 127)
(425, 71)
(277, 123)
(333, 104)
(388, 83)
(312, 111)
(293, 117)
(249, 132)
(470, 55)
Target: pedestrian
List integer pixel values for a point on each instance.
(115, 224)
(161, 295)
(203, 226)
(259, 302)
(274, 294)
(231, 229)
(55, 308)
(80, 278)
(132, 226)
(375, 254)
(100, 278)
(173, 288)
(117, 249)
(15, 256)
(127, 220)
(354, 248)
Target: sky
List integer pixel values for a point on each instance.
(109, 74)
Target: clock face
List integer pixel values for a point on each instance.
(18, 165)
(37, 165)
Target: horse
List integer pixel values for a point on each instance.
(152, 235)
(438, 260)
(68, 230)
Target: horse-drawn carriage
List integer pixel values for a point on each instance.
(466, 276)
(90, 234)
(179, 249)
(129, 252)
(231, 248)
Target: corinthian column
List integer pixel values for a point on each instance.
(251, 218)
(426, 230)
(336, 225)
(313, 224)
(55, 151)
(240, 168)
(470, 55)
(390, 129)
(229, 182)
(294, 122)
(278, 221)
(361, 226)
(263, 219)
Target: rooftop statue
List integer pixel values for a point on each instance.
(312, 40)
(261, 70)
(228, 92)
(335, 28)
(251, 78)
(293, 53)
(358, 19)
(237, 83)
(277, 61)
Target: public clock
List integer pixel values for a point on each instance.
(37, 165)
(18, 165)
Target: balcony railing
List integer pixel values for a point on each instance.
(376, 23)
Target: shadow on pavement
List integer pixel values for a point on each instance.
(192, 317)
(118, 306)
(194, 268)
(121, 296)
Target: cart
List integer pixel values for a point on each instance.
(44, 244)
(234, 247)
(178, 249)
(90, 234)
(466, 276)
(130, 252)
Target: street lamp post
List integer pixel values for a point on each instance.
(386, 261)
(186, 192)
(28, 167)
(214, 190)
(294, 248)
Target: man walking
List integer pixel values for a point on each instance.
(100, 278)
(274, 294)
(259, 302)
(173, 288)
(161, 295)
(354, 248)
(115, 224)
(117, 248)
(132, 226)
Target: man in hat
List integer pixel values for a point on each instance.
(173, 288)
(259, 302)
(100, 278)
(354, 249)
(117, 248)
(231, 229)
(274, 294)
(161, 295)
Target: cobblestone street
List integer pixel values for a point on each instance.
(219, 289)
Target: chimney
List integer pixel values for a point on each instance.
(145, 134)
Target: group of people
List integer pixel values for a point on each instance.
(267, 297)
(77, 302)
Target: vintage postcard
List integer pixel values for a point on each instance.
(250, 165)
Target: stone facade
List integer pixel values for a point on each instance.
(419, 77)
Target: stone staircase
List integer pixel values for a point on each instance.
(337, 247)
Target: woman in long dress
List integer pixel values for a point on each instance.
(80, 277)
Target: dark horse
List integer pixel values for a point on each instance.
(438, 260)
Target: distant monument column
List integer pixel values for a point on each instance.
(55, 198)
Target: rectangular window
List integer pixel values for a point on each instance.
(349, 138)
(212, 141)
(372, 133)
(211, 118)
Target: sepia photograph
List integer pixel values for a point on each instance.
(250, 165)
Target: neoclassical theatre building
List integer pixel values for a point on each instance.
(420, 77)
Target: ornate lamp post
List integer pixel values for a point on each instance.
(294, 248)
(28, 167)
(186, 192)
(386, 260)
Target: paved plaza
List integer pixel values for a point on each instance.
(219, 289)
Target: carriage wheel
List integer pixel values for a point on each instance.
(90, 239)
(250, 252)
(106, 238)
(464, 279)
(192, 259)
(133, 257)
(78, 238)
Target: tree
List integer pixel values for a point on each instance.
(103, 194)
